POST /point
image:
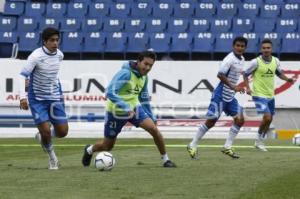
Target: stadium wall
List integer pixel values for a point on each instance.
(173, 84)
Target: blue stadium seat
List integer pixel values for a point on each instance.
(135, 25)
(286, 25)
(113, 25)
(253, 42)
(270, 11)
(226, 9)
(94, 42)
(7, 23)
(223, 42)
(184, 9)
(49, 22)
(258, 2)
(292, 1)
(199, 25)
(160, 42)
(137, 42)
(56, 9)
(141, 9)
(248, 10)
(163, 9)
(203, 42)
(14, 8)
(29, 41)
(264, 25)
(242, 25)
(178, 25)
(77, 9)
(274, 37)
(71, 42)
(116, 42)
(119, 9)
(70, 24)
(98, 9)
(36, 9)
(181, 42)
(156, 25)
(274, 1)
(289, 10)
(205, 9)
(92, 24)
(27, 24)
(291, 43)
(219, 25)
(8, 37)
(6, 50)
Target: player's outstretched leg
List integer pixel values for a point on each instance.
(234, 130)
(106, 145)
(264, 127)
(149, 126)
(203, 128)
(45, 140)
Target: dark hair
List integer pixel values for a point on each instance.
(148, 53)
(49, 32)
(266, 41)
(240, 39)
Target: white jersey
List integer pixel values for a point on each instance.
(232, 68)
(42, 69)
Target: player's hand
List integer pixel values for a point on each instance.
(23, 104)
(239, 89)
(290, 80)
(248, 91)
(131, 114)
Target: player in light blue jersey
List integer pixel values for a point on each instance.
(223, 99)
(45, 96)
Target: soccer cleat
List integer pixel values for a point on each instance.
(193, 152)
(230, 153)
(53, 164)
(260, 146)
(86, 158)
(169, 164)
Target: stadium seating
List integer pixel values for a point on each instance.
(209, 25)
(94, 42)
(73, 38)
(291, 43)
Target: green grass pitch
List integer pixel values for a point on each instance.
(138, 173)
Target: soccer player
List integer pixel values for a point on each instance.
(263, 70)
(128, 101)
(44, 92)
(223, 99)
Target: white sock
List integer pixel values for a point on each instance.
(53, 134)
(90, 150)
(232, 134)
(50, 151)
(164, 158)
(200, 133)
(261, 136)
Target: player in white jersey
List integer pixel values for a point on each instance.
(44, 92)
(223, 99)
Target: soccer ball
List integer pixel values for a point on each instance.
(296, 139)
(104, 161)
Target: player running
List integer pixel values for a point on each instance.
(44, 92)
(223, 99)
(263, 70)
(128, 101)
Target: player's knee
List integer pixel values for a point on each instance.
(62, 131)
(240, 121)
(210, 123)
(268, 119)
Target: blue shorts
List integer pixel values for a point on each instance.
(218, 105)
(48, 110)
(264, 105)
(114, 124)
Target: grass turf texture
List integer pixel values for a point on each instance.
(138, 172)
